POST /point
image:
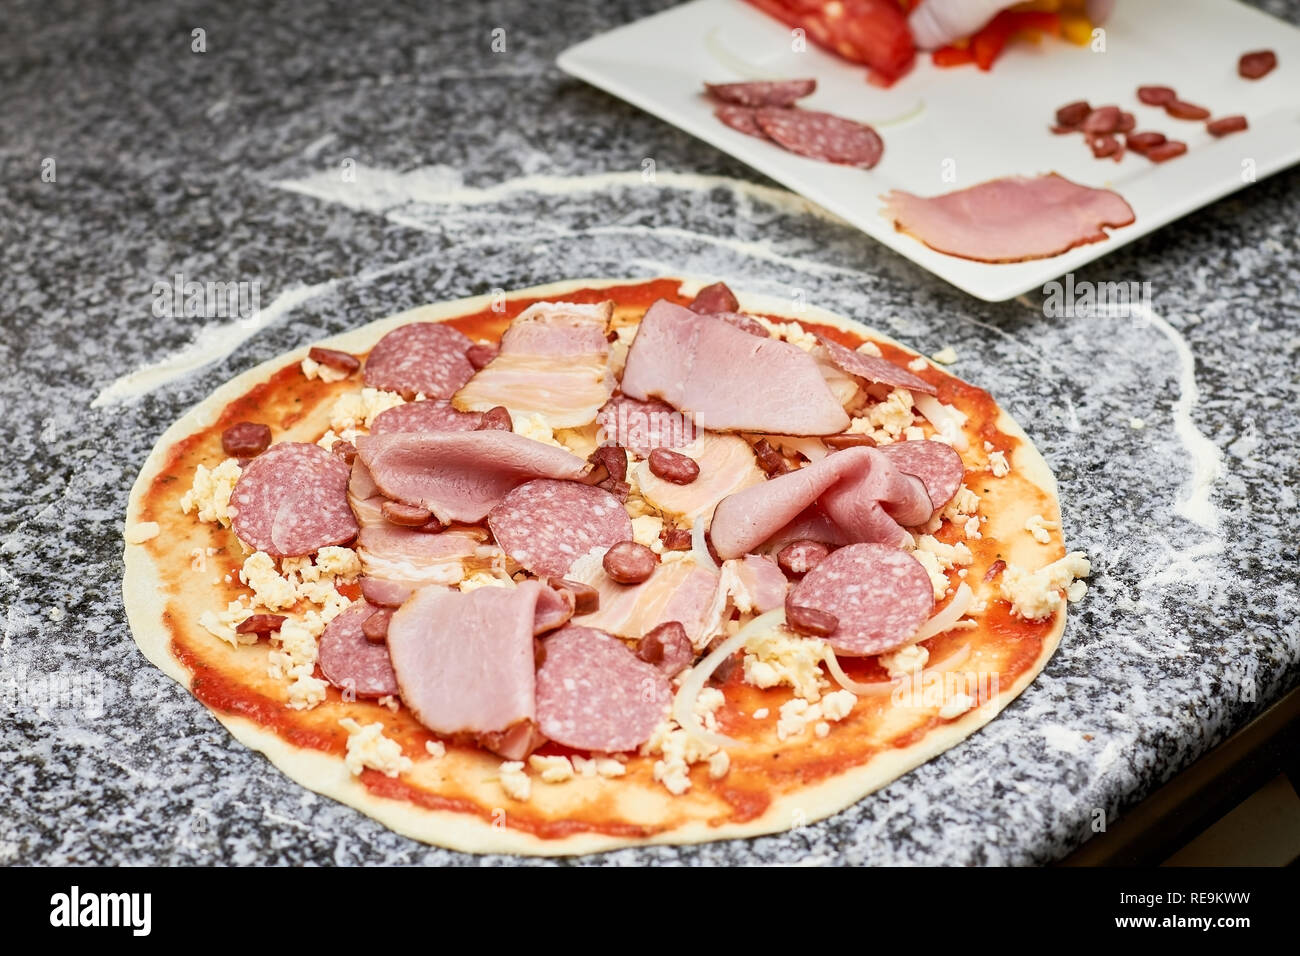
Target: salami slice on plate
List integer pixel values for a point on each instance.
(547, 524)
(823, 136)
(880, 596)
(595, 694)
(426, 358)
(292, 500)
(351, 661)
(762, 92)
(742, 118)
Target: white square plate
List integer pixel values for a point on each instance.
(976, 125)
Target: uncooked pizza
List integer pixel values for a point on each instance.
(599, 564)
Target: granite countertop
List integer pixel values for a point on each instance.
(1173, 433)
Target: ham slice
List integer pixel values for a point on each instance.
(364, 496)
(459, 476)
(464, 663)
(755, 583)
(1011, 219)
(859, 489)
(871, 368)
(727, 465)
(677, 591)
(552, 364)
(727, 379)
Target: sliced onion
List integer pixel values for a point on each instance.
(948, 617)
(689, 692)
(811, 448)
(700, 548)
(945, 418)
(951, 662)
(870, 689)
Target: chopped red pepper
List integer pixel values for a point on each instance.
(952, 56)
(987, 45)
(872, 32)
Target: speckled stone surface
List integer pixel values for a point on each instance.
(479, 170)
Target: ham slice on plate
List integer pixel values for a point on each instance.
(727, 379)
(465, 663)
(859, 489)
(1011, 219)
(552, 364)
(727, 465)
(460, 476)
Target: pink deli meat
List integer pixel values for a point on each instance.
(727, 379)
(872, 368)
(426, 358)
(822, 136)
(292, 500)
(641, 427)
(464, 661)
(762, 92)
(936, 463)
(430, 416)
(594, 694)
(546, 525)
(352, 662)
(858, 489)
(460, 476)
(880, 596)
(1011, 219)
(743, 119)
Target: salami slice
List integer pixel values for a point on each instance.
(879, 596)
(715, 298)
(742, 118)
(292, 500)
(762, 92)
(937, 465)
(431, 416)
(823, 136)
(874, 369)
(421, 358)
(595, 694)
(351, 661)
(643, 426)
(547, 524)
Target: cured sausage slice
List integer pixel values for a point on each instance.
(350, 661)
(937, 465)
(715, 298)
(425, 417)
(421, 358)
(878, 595)
(547, 524)
(762, 92)
(740, 118)
(595, 694)
(874, 369)
(292, 500)
(823, 136)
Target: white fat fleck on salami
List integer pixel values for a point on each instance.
(823, 136)
(349, 660)
(292, 500)
(938, 466)
(425, 358)
(880, 595)
(593, 693)
(429, 416)
(547, 524)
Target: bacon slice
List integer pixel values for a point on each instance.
(464, 662)
(1010, 220)
(727, 379)
(859, 489)
(413, 559)
(678, 591)
(727, 465)
(460, 476)
(552, 363)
